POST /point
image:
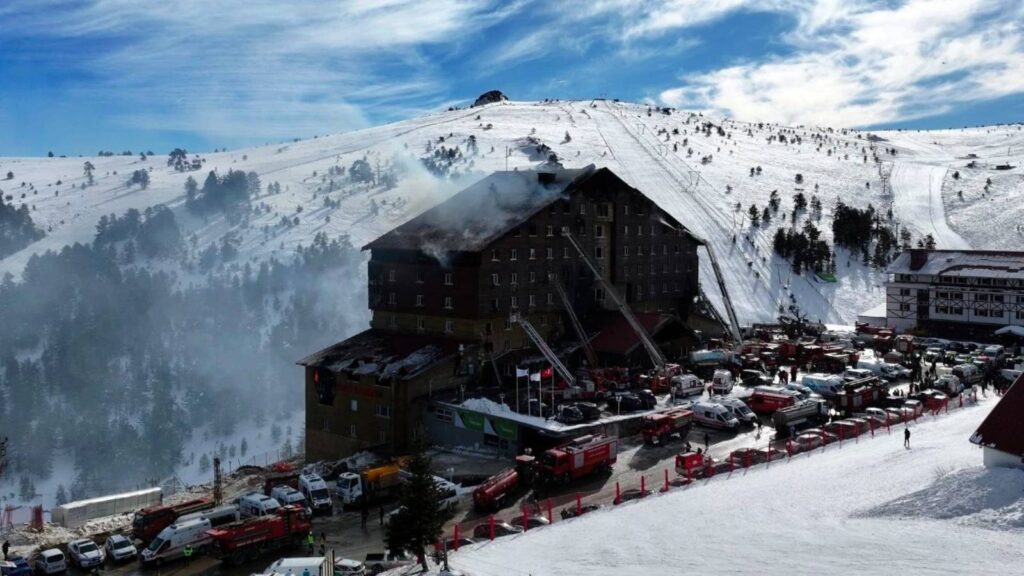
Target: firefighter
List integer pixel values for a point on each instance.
(7, 547)
(906, 437)
(792, 373)
(187, 552)
(311, 542)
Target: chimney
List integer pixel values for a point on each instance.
(546, 177)
(918, 258)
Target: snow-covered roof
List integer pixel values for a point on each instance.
(383, 354)
(962, 264)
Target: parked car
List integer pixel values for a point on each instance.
(51, 561)
(500, 529)
(347, 567)
(589, 410)
(449, 544)
(751, 378)
(624, 402)
(119, 548)
(85, 553)
(380, 561)
(807, 441)
(647, 399)
(568, 414)
(572, 511)
(16, 566)
(531, 522)
(633, 494)
(802, 392)
(884, 416)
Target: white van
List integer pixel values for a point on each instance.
(317, 495)
(995, 351)
(287, 495)
(828, 385)
(737, 409)
(170, 543)
(218, 516)
(254, 504)
(316, 565)
(686, 385)
(714, 415)
(852, 374)
(51, 561)
(721, 382)
(969, 374)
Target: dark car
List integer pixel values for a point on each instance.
(625, 402)
(20, 567)
(589, 410)
(449, 544)
(531, 522)
(569, 414)
(572, 511)
(500, 529)
(647, 399)
(752, 378)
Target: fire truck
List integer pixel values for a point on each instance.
(580, 457)
(249, 539)
(494, 491)
(860, 394)
(656, 427)
(148, 522)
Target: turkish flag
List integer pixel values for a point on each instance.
(547, 372)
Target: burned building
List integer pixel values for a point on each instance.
(453, 276)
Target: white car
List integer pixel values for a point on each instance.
(118, 548)
(51, 561)
(85, 553)
(346, 567)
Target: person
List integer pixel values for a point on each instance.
(366, 516)
(305, 572)
(7, 547)
(689, 448)
(310, 541)
(381, 511)
(906, 437)
(792, 373)
(707, 442)
(187, 552)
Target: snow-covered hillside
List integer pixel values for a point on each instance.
(870, 507)
(697, 172)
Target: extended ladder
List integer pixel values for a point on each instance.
(591, 357)
(546, 350)
(734, 324)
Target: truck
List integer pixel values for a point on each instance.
(315, 565)
(577, 458)
(800, 415)
(859, 394)
(495, 490)
(148, 522)
(767, 399)
(248, 539)
(318, 497)
(657, 427)
(280, 479)
(375, 483)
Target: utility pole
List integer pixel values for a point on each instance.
(218, 494)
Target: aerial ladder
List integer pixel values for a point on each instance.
(734, 324)
(584, 341)
(546, 350)
(652, 349)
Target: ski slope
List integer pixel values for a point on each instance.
(867, 508)
(699, 176)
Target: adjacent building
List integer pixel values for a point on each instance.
(443, 289)
(956, 293)
(1001, 435)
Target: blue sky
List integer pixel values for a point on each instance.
(78, 76)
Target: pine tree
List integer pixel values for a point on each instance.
(88, 169)
(62, 495)
(420, 519)
(755, 216)
(243, 448)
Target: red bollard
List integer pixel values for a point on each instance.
(618, 494)
(822, 440)
(643, 485)
(746, 459)
(455, 538)
(731, 466)
(665, 487)
(871, 426)
(490, 521)
(946, 403)
(789, 448)
(551, 517)
(840, 437)
(689, 474)
(526, 518)
(579, 505)
(887, 427)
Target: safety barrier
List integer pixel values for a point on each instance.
(579, 502)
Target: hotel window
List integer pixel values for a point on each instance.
(495, 279)
(382, 411)
(419, 300)
(565, 230)
(533, 253)
(625, 251)
(664, 249)
(449, 326)
(625, 230)
(550, 231)
(599, 231)
(599, 252)
(420, 325)
(419, 277)
(625, 209)
(565, 252)
(392, 322)
(551, 298)
(448, 305)
(508, 324)
(599, 294)
(533, 277)
(533, 300)
(488, 328)
(354, 405)
(602, 210)
(495, 305)
(382, 437)
(515, 255)
(675, 250)
(444, 415)
(515, 301)
(583, 209)
(352, 431)
(639, 292)
(639, 229)
(550, 253)
(449, 279)
(494, 255)
(906, 292)
(392, 299)
(515, 279)
(391, 275)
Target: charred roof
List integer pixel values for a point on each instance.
(1003, 429)
(385, 355)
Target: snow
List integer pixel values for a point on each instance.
(622, 136)
(931, 509)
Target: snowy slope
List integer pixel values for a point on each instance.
(639, 146)
(871, 507)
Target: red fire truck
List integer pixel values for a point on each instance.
(148, 522)
(768, 399)
(656, 427)
(580, 457)
(248, 539)
(494, 490)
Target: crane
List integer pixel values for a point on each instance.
(652, 349)
(546, 350)
(584, 341)
(734, 324)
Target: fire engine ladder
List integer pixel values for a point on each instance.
(649, 345)
(591, 357)
(546, 350)
(734, 324)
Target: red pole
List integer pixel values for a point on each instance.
(731, 465)
(665, 487)
(455, 539)
(526, 518)
(822, 440)
(746, 459)
(769, 455)
(887, 427)
(618, 494)
(840, 438)
(490, 521)
(551, 517)
(689, 474)
(946, 403)
(579, 505)
(789, 448)
(643, 485)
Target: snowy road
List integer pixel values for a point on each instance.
(917, 192)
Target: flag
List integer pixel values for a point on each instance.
(547, 372)
(522, 373)
(535, 377)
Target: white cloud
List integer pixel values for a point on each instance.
(861, 64)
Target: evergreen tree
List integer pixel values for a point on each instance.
(799, 202)
(755, 216)
(88, 169)
(62, 495)
(243, 449)
(420, 519)
(191, 187)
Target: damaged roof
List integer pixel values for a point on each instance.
(1003, 429)
(472, 218)
(618, 337)
(385, 355)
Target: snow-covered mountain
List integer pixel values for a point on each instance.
(697, 167)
